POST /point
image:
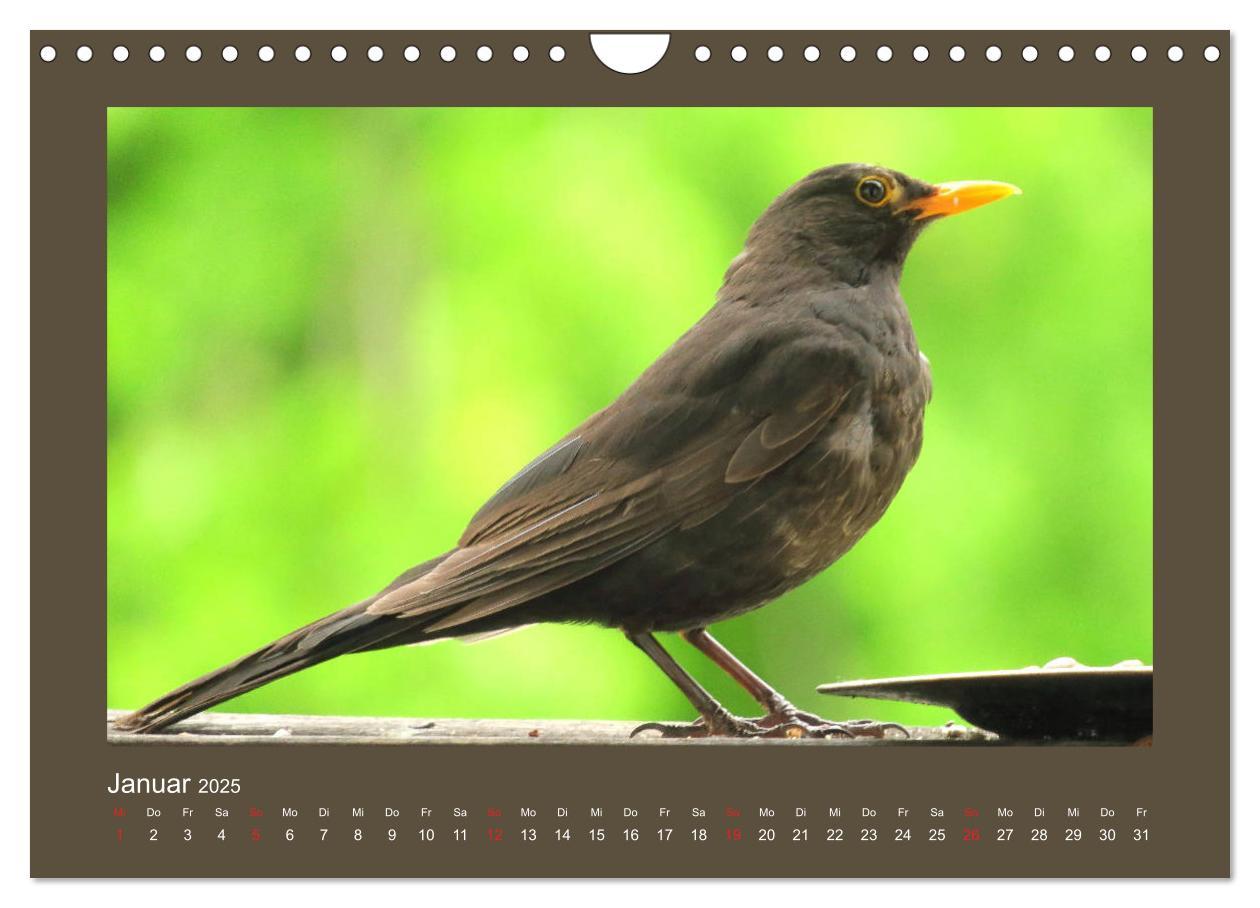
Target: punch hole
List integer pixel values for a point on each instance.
(1102, 53)
(121, 54)
(993, 53)
(774, 54)
(848, 54)
(447, 54)
(48, 53)
(375, 53)
(229, 54)
(625, 54)
(703, 54)
(1211, 53)
(1066, 54)
(958, 53)
(920, 54)
(192, 53)
(883, 53)
(338, 54)
(83, 54)
(1176, 54)
(1138, 53)
(739, 53)
(157, 53)
(520, 53)
(485, 54)
(812, 54)
(1029, 53)
(266, 53)
(411, 53)
(302, 53)
(556, 54)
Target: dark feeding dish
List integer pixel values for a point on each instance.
(1062, 701)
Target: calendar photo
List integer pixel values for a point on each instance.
(701, 454)
(630, 425)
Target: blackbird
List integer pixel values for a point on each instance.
(753, 453)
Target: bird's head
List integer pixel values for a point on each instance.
(856, 220)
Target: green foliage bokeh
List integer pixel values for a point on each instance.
(334, 333)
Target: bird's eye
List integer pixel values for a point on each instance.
(873, 191)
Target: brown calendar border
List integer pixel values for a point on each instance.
(1184, 780)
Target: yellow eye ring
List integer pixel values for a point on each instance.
(873, 191)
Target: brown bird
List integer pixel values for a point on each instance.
(755, 452)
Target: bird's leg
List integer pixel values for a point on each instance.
(780, 713)
(714, 718)
(770, 699)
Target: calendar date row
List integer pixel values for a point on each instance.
(630, 834)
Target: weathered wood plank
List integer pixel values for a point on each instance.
(247, 728)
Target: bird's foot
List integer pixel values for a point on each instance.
(790, 722)
(721, 724)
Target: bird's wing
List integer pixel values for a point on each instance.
(660, 459)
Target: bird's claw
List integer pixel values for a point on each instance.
(696, 729)
(873, 728)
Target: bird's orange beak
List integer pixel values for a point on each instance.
(955, 198)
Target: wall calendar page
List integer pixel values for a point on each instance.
(685, 454)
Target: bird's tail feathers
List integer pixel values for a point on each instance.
(347, 631)
(340, 633)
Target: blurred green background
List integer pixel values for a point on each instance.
(334, 333)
